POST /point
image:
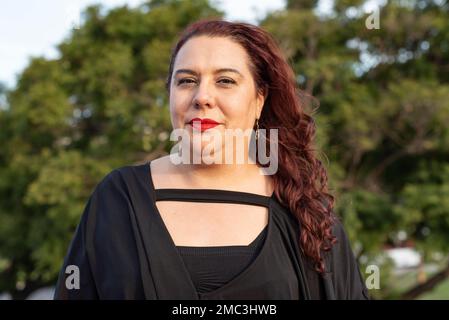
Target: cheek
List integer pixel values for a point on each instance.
(239, 112)
(178, 110)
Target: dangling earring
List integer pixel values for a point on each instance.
(257, 129)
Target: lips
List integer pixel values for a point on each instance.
(203, 124)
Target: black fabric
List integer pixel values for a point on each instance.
(124, 251)
(214, 266)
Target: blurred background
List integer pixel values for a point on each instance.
(82, 93)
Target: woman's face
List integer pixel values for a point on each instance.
(211, 79)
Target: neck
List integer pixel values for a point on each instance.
(219, 174)
(241, 174)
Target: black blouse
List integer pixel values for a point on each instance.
(123, 250)
(212, 267)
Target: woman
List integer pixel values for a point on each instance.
(172, 229)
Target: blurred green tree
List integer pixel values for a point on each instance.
(100, 105)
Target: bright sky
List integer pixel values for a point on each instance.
(34, 27)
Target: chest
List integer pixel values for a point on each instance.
(212, 224)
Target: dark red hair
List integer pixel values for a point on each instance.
(301, 180)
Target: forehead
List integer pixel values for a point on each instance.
(208, 53)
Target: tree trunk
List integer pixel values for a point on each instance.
(426, 286)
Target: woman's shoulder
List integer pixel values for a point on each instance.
(342, 264)
(119, 190)
(338, 229)
(124, 175)
(342, 247)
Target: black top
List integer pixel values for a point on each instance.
(124, 251)
(212, 267)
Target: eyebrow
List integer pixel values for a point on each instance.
(194, 73)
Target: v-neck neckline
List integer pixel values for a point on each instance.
(226, 196)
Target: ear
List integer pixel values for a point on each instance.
(260, 101)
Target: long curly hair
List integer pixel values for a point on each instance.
(301, 179)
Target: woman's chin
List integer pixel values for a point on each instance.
(207, 153)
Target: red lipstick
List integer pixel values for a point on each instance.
(203, 124)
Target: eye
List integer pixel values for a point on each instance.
(227, 81)
(189, 80)
(186, 80)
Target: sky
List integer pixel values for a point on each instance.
(31, 28)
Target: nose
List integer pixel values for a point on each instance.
(203, 97)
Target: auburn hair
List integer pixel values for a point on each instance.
(300, 182)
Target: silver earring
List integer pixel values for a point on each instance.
(257, 129)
